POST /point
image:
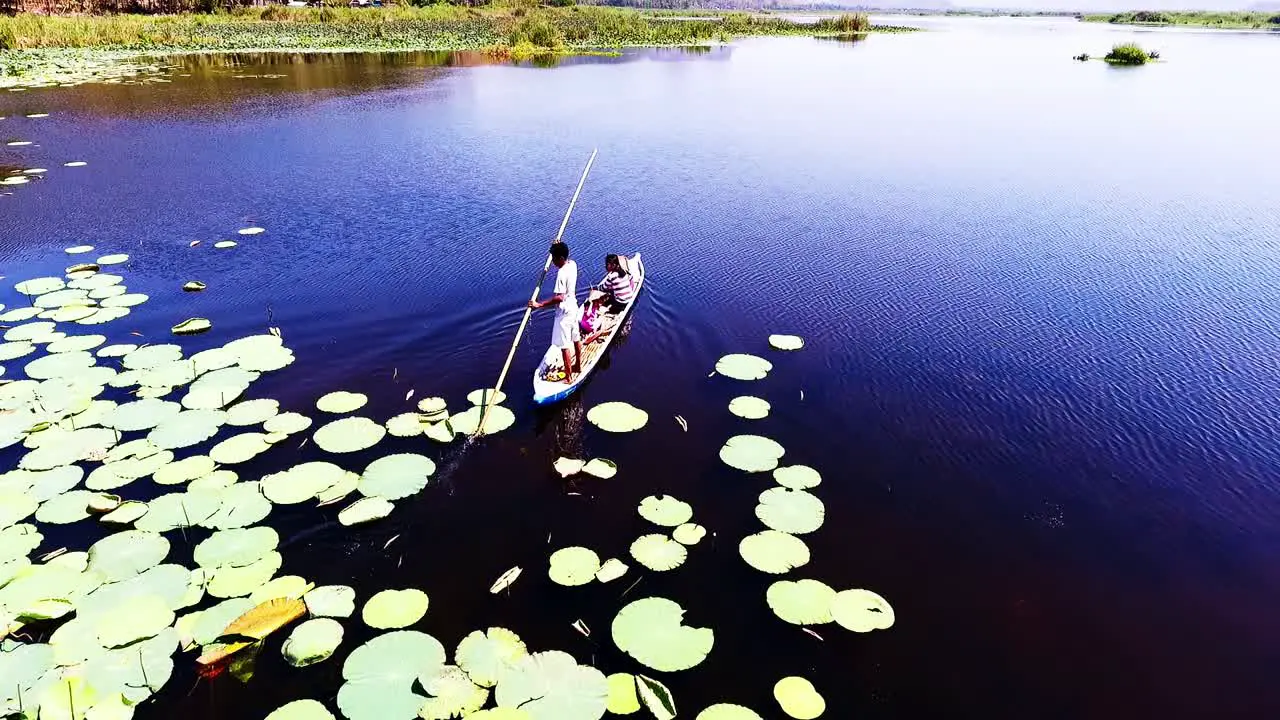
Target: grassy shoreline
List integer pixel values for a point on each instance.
(1160, 18)
(50, 48)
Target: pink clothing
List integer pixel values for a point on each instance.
(590, 318)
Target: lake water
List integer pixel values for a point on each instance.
(1041, 301)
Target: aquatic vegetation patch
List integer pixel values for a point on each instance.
(798, 698)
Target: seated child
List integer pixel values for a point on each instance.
(592, 310)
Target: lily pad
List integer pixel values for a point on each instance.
(194, 286)
(15, 350)
(786, 342)
(301, 482)
(486, 395)
(798, 698)
(251, 230)
(751, 453)
(452, 695)
(651, 630)
(351, 434)
(190, 326)
(113, 259)
(658, 552)
(126, 514)
(143, 414)
(240, 505)
(689, 534)
(485, 655)
(341, 402)
(797, 477)
(774, 552)
(553, 686)
(573, 566)
(380, 676)
(105, 315)
(40, 286)
(239, 448)
(468, 421)
(236, 548)
(224, 244)
(59, 365)
(252, 412)
(600, 468)
(743, 367)
(141, 618)
(311, 642)
(611, 570)
(790, 511)
(803, 602)
(433, 408)
(76, 342)
(65, 509)
(394, 608)
(568, 466)
(287, 423)
(180, 510)
(19, 314)
(396, 476)
(336, 601)
(725, 711)
(184, 470)
(665, 510)
(228, 582)
(622, 694)
(365, 510)
(748, 407)
(861, 611)
(617, 417)
(149, 356)
(126, 554)
(656, 697)
(78, 249)
(186, 428)
(16, 507)
(405, 425)
(301, 710)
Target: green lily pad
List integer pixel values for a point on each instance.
(73, 343)
(291, 587)
(65, 364)
(184, 470)
(748, 407)
(342, 488)
(239, 448)
(113, 259)
(405, 425)
(301, 482)
(396, 476)
(751, 453)
(29, 332)
(141, 618)
(774, 552)
(236, 547)
(665, 510)
(15, 350)
(573, 566)
(126, 514)
(122, 472)
(78, 249)
(786, 342)
(351, 434)
(46, 484)
(798, 698)
(611, 570)
(486, 395)
(790, 511)
(190, 326)
(380, 676)
(252, 412)
(485, 655)
(217, 479)
(224, 244)
(287, 423)
(105, 315)
(187, 428)
(301, 710)
(125, 554)
(193, 286)
(743, 367)
(268, 360)
(228, 582)
(251, 230)
(149, 356)
(16, 507)
(600, 468)
(17, 541)
(861, 611)
(658, 552)
(338, 601)
(70, 313)
(65, 509)
(62, 298)
(725, 711)
(803, 602)
(622, 694)
(553, 686)
(617, 417)
(468, 421)
(19, 314)
(341, 402)
(239, 505)
(452, 695)
(97, 280)
(689, 534)
(797, 477)
(311, 642)
(394, 608)
(651, 630)
(568, 466)
(218, 358)
(179, 510)
(40, 286)
(103, 293)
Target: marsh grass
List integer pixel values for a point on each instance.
(1224, 19)
(1127, 54)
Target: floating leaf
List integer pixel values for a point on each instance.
(330, 601)
(301, 482)
(186, 428)
(468, 421)
(179, 510)
(601, 468)
(798, 698)
(15, 507)
(147, 357)
(312, 641)
(486, 395)
(797, 477)
(380, 676)
(786, 342)
(396, 476)
(751, 453)
(622, 694)
(651, 631)
(251, 231)
(790, 511)
(73, 343)
(656, 697)
(224, 244)
(665, 510)
(485, 655)
(433, 409)
(405, 425)
(65, 509)
(689, 534)
(141, 618)
(194, 286)
(453, 695)
(803, 602)
(394, 608)
(743, 367)
(239, 448)
(40, 286)
(190, 326)
(126, 514)
(15, 350)
(861, 611)
(351, 434)
(255, 624)
(113, 259)
(301, 710)
(287, 423)
(617, 417)
(236, 547)
(568, 466)
(365, 510)
(725, 711)
(658, 552)
(252, 412)
(17, 541)
(748, 407)
(341, 402)
(79, 249)
(774, 552)
(573, 566)
(611, 570)
(505, 581)
(126, 554)
(553, 686)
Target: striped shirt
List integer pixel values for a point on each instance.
(620, 287)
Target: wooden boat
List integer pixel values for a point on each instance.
(548, 380)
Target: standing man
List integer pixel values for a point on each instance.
(564, 333)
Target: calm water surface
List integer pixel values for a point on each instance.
(1040, 299)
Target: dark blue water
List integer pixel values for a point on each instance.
(1040, 301)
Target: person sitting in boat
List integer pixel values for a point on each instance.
(618, 284)
(589, 323)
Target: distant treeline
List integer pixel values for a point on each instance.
(1200, 19)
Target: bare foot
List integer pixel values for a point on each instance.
(568, 379)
